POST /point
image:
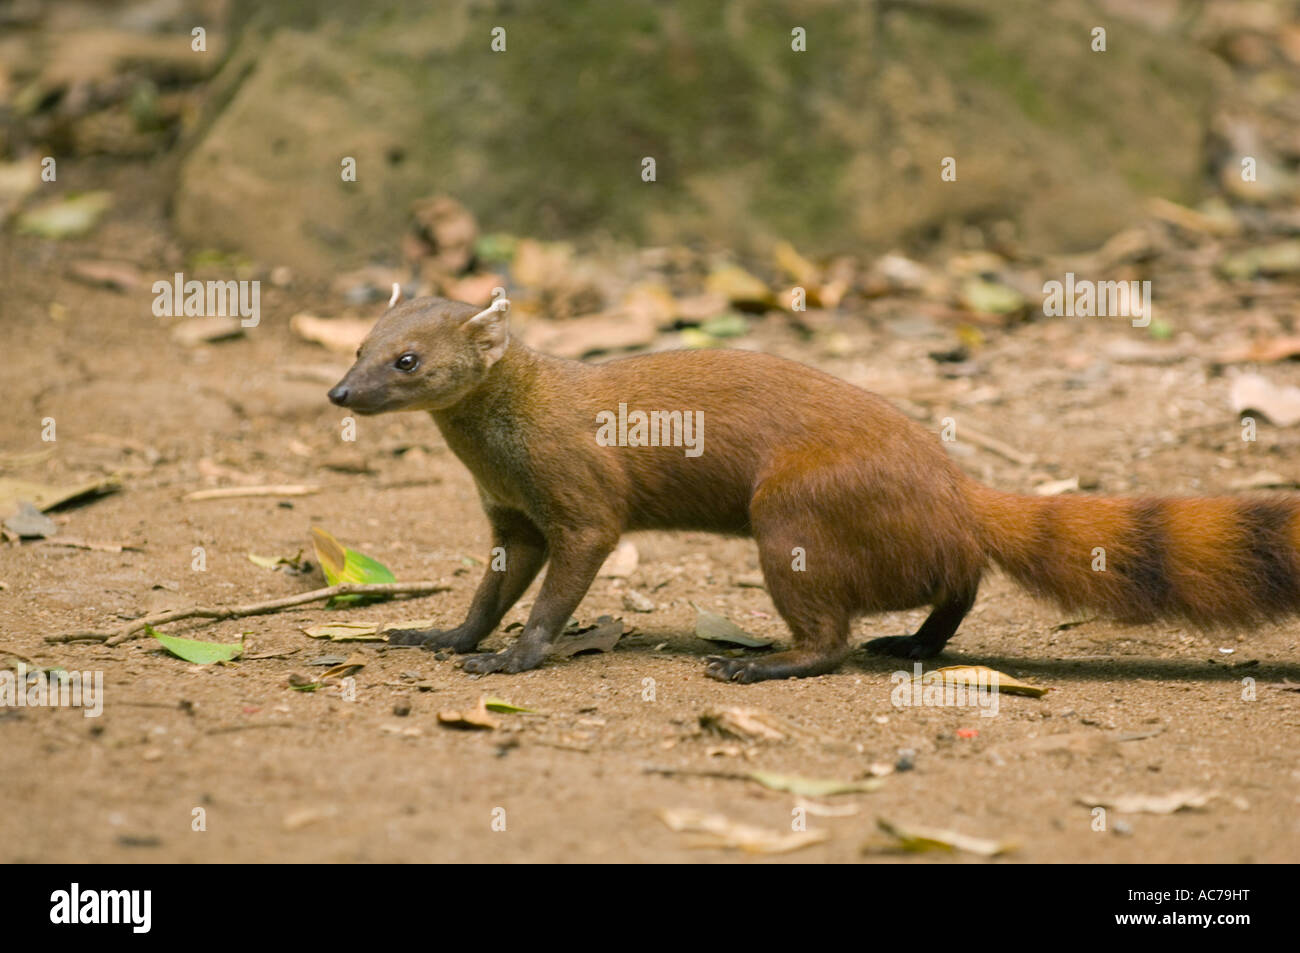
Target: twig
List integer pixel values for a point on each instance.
(227, 729)
(697, 773)
(993, 445)
(226, 492)
(129, 631)
(87, 544)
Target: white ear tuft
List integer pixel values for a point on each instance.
(500, 304)
(490, 329)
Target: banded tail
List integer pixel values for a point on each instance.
(1210, 561)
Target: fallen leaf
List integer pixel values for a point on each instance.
(476, 719)
(343, 565)
(721, 832)
(817, 809)
(195, 651)
(275, 562)
(717, 628)
(68, 217)
(1171, 803)
(933, 838)
(981, 676)
(601, 637)
(725, 326)
(503, 706)
(348, 667)
(345, 631)
(795, 265)
(990, 297)
(742, 289)
(45, 497)
(814, 787)
(30, 523)
(119, 275)
(1278, 402)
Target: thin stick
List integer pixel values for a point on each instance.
(226, 492)
(130, 630)
(995, 445)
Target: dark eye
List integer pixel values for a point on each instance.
(407, 362)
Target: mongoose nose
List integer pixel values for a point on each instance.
(339, 395)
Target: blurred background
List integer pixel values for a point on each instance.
(835, 149)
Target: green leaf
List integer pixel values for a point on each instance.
(192, 650)
(343, 565)
(726, 326)
(990, 297)
(501, 705)
(67, 217)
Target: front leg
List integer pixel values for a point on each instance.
(576, 556)
(509, 573)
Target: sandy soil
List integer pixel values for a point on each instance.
(290, 776)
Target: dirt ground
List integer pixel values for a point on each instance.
(290, 776)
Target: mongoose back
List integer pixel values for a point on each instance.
(753, 445)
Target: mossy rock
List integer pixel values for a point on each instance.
(838, 148)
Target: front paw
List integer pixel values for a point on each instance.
(432, 639)
(510, 661)
(902, 646)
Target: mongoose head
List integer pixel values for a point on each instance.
(424, 354)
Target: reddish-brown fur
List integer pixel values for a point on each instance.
(803, 463)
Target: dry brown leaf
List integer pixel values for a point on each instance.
(473, 719)
(601, 637)
(912, 838)
(1171, 803)
(719, 831)
(1280, 403)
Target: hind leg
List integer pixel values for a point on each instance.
(933, 634)
(812, 599)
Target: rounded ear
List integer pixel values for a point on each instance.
(489, 330)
